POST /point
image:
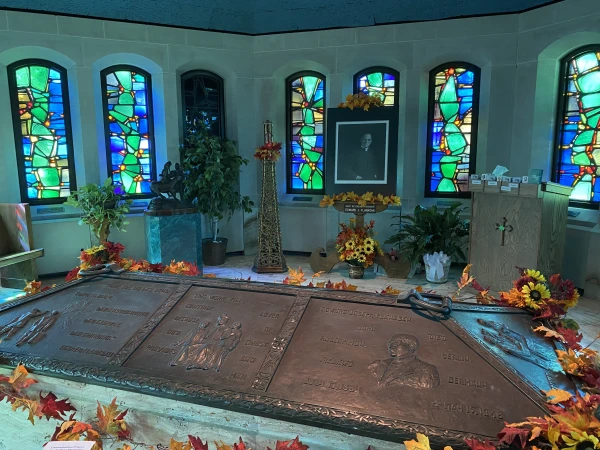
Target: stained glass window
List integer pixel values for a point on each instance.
(378, 81)
(452, 129)
(129, 132)
(202, 94)
(40, 103)
(578, 142)
(306, 102)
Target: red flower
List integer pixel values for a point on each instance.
(523, 281)
(563, 290)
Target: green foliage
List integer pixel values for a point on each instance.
(212, 166)
(101, 206)
(428, 231)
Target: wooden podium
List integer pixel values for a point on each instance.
(524, 227)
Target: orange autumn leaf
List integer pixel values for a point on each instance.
(295, 277)
(422, 443)
(465, 279)
(31, 406)
(176, 445)
(222, 446)
(550, 333)
(554, 396)
(111, 420)
(419, 289)
(209, 275)
(19, 378)
(33, 287)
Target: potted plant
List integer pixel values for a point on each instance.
(357, 246)
(212, 166)
(434, 237)
(101, 207)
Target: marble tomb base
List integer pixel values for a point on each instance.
(174, 236)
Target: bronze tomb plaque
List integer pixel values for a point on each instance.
(215, 337)
(86, 322)
(395, 363)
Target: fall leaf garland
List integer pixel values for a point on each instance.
(361, 200)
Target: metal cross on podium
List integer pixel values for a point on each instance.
(504, 228)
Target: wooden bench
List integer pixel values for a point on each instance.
(17, 252)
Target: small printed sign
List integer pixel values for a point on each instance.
(75, 445)
(475, 181)
(357, 209)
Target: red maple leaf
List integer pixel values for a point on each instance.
(124, 435)
(240, 446)
(329, 285)
(53, 408)
(591, 377)
(197, 443)
(156, 268)
(572, 337)
(511, 435)
(476, 444)
(310, 284)
(290, 445)
(475, 285)
(555, 279)
(72, 275)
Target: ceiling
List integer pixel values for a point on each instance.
(274, 16)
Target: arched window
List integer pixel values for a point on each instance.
(129, 131)
(203, 96)
(40, 107)
(305, 132)
(577, 154)
(378, 81)
(451, 129)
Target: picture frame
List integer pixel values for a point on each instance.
(362, 150)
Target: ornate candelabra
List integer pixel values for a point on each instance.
(270, 257)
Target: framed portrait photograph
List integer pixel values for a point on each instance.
(362, 149)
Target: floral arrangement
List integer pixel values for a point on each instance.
(271, 151)
(361, 200)
(546, 298)
(361, 101)
(356, 245)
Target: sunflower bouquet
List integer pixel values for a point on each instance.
(356, 245)
(546, 298)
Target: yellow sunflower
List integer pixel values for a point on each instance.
(536, 275)
(573, 300)
(370, 242)
(368, 249)
(576, 440)
(362, 258)
(350, 245)
(534, 293)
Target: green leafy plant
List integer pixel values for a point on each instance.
(212, 166)
(101, 207)
(429, 230)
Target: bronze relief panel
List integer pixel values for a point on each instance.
(215, 337)
(85, 322)
(395, 363)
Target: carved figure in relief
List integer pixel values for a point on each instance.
(17, 324)
(404, 368)
(513, 343)
(38, 331)
(192, 343)
(216, 346)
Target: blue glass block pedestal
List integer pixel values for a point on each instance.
(173, 236)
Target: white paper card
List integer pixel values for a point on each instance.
(475, 181)
(492, 183)
(513, 185)
(505, 188)
(76, 445)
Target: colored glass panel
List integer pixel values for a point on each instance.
(203, 99)
(379, 84)
(451, 129)
(579, 139)
(44, 150)
(130, 143)
(307, 106)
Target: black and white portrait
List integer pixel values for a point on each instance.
(361, 153)
(362, 150)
